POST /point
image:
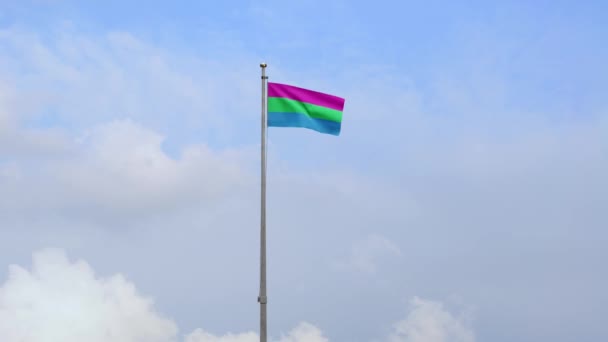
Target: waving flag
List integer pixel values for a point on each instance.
(290, 106)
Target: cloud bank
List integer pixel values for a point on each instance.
(65, 301)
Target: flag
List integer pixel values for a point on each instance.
(290, 106)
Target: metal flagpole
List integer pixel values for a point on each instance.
(262, 299)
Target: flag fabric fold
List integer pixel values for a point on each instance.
(290, 106)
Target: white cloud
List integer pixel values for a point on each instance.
(124, 167)
(429, 321)
(304, 332)
(59, 300)
(120, 168)
(366, 254)
(200, 335)
(52, 90)
(62, 301)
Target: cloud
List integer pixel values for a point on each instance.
(428, 321)
(123, 167)
(81, 80)
(200, 335)
(304, 332)
(63, 301)
(120, 169)
(59, 300)
(83, 121)
(365, 254)
(24, 142)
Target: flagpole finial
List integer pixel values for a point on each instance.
(263, 65)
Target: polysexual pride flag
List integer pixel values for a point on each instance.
(290, 106)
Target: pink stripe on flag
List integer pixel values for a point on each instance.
(305, 95)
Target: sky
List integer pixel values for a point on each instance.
(464, 200)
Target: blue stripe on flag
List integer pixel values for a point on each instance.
(276, 119)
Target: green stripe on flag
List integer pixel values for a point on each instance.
(283, 105)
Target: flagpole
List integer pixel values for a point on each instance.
(262, 299)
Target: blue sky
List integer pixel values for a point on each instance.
(464, 200)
